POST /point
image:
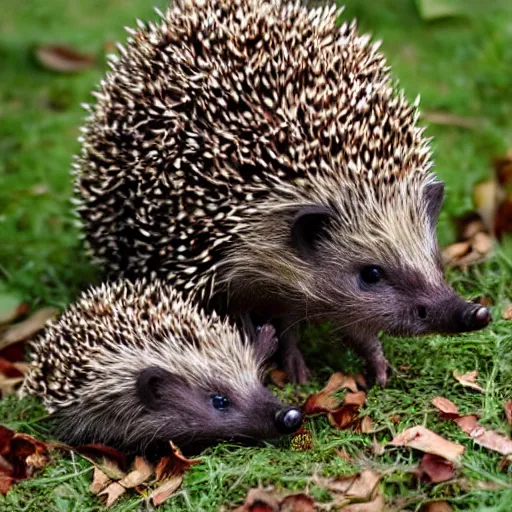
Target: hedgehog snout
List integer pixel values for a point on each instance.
(288, 420)
(476, 318)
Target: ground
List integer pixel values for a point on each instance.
(462, 66)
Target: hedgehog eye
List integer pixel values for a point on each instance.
(220, 402)
(371, 274)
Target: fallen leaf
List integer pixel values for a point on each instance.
(507, 312)
(481, 243)
(487, 438)
(11, 308)
(378, 448)
(447, 118)
(469, 225)
(456, 251)
(26, 329)
(297, 503)
(112, 493)
(111, 457)
(468, 380)
(325, 401)
(343, 454)
(365, 425)
(357, 398)
(376, 505)
(174, 464)
(9, 369)
(436, 468)
(436, 506)
(302, 440)
(395, 419)
(99, 481)
(446, 407)
(63, 59)
(20, 456)
(258, 500)
(423, 439)
(166, 490)
(508, 411)
(278, 378)
(360, 486)
(344, 416)
(142, 470)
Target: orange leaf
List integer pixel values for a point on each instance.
(166, 490)
(487, 438)
(278, 378)
(343, 417)
(325, 401)
(508, 411)
(436, 506)
(468, 380)
(298, 503)
(423, 439)
(436, 468)
(358, 398)
(446, 407)
(174, 464)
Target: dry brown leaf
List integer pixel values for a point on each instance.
(448, 119)
(166, 489)
(258, 500)
(468, 380)
(142, 470)
(360, 486)
(357, 398)
(446, 407)
(9, 385)
(436, 469)
(395, 418)
(344, 416)
(278, 378)
(26, 329)
(365, 425)
(482, 243)
(112, 461)
(485, 198)
(487, 438)
(63, 59)
(10, 315)
(436, 506)
(344, 454)
(508, 411)
(454, 252)
(376, 505)
(297, 503)
(112, 493)
(423, 439)
(325, 401)
(20, 456)
(377, 448)
(507, 312)
(99, 481)
(174, 464)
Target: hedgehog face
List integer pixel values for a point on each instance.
(214, 411)
(386, 274)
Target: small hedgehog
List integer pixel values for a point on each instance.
(259, 156)
(132, 365)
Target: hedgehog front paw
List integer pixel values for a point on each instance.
(377, 371)
(295, 366)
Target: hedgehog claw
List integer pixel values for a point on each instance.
(295, 367)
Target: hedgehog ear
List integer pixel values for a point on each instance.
(308, 228)
(434, 194)
(151, 384)
(266, 342)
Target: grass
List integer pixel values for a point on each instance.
(459, 65)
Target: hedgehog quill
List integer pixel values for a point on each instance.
(133, 366)
(259, 156)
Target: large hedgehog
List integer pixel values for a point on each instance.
(257, 155)
(134, 366)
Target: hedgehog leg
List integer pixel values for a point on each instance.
(291, 359)
(370, 350)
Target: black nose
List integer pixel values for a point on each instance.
(480, 317)
(288, 420)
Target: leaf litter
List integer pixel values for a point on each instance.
(468, 380)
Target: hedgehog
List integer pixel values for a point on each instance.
(260, 156)
(134, 365)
